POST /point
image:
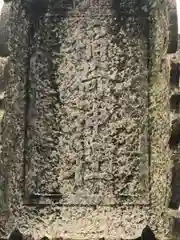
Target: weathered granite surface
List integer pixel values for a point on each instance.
(84, 136)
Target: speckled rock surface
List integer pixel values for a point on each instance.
(81, 106)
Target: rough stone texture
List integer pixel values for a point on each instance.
(82, 103)
(84, 127)
(161, 163)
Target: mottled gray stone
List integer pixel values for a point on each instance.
(85, 124)
(76, 126)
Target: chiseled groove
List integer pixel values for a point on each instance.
(26, 111)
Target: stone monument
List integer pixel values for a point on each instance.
(85, 132)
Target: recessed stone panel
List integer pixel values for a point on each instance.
(87, 116)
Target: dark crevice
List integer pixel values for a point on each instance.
(16, 235)
(175, 181)
(147, 234)
(173, 30)
(173, 145)
(175, 103)
(176, 228)
(174, 75)
(175, 135)
(175, 187)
